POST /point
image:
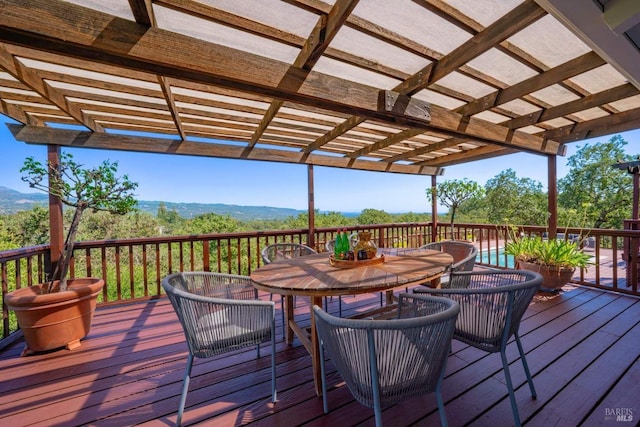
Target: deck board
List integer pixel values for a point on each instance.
(129, 371)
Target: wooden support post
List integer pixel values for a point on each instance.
(56, 219)
(311, 237)
(552, 195)
(434, 209)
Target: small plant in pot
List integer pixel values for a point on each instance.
(58, 313)
(555, 259)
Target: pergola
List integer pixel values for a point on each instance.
(380, 85)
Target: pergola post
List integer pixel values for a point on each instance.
(56, 219)
(434, 209)
(552, 194)
(632, 244)
(311, 239)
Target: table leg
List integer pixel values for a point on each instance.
(435, 283)
(315, 348)
(288, 318)
(389, 297)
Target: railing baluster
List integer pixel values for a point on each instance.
(28, 266)
(103, 266)
(145, 274)
(132, 289)
(5, 288)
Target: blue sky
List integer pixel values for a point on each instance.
(209, 180)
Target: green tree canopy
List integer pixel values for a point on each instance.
(373, 216)
(412, 217)
(453, 193)
(601, 193)
(328, 219)
(212, 223)
(102, 225)
(516, 201)
(28, 228)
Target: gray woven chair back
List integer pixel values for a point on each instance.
(492, 304)
(280, 251)
(385, 361)
(463, 253)
(218, 312)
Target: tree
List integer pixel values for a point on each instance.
(453, 193)
(412, 217)
(97, 188)
(102, 225)
(513, 200)
(373, 216)
(6, 236)
(211, 223)
(29, 227)
(170, 220)
(328, 219)
(601, 192)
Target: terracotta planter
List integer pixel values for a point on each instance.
(54, 320)
(553, 278)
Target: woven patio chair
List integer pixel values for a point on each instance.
(220, 313)
(492, 304)
(279, 251)
(463, 253)
(385, 361)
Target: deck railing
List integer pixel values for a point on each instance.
(134, 268)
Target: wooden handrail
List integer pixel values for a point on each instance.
(134, 268)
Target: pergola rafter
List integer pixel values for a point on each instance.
(348, 84)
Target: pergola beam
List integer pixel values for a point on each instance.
(480, 153)
(72, 30)
(324, 31)
(86, 139)
(578, 65)
(44, 89)
(514, 21)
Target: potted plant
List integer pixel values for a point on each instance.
(59, 313)
(555, 259)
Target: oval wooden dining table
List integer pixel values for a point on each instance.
(313, 276)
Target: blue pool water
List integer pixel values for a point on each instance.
(494, 257)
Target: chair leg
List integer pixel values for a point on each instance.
(274, 393)
(284, 324)
(325, 403)
(525, 365)
(438, 390)
(443, 415)
(185, 388)
(377, 411)
(375, 381)
(512, 395)
(340, 306)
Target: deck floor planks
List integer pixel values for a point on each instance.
(129, 371)
(598, 365)
(623, 396)
(489, 385)
(561, 361)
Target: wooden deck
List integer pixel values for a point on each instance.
(583, 350)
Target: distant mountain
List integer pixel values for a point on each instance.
(242, 213)
(12, 201)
